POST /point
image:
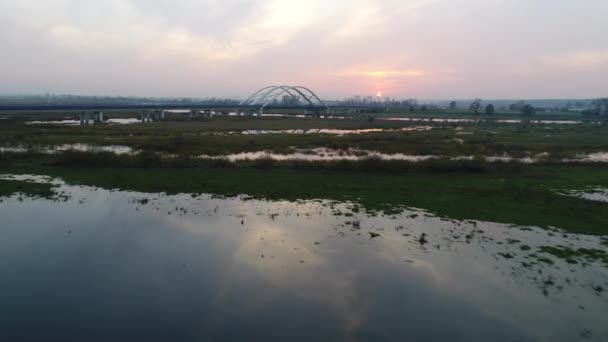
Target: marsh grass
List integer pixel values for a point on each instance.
(527, 196)
(211, 138)
(29, 189)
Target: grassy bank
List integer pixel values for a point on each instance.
(525, 197)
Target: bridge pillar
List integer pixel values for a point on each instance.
(98, 117)
(162, 114)
(145, 116)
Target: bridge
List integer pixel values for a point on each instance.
(290, 98)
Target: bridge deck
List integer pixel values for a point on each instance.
(191, 106)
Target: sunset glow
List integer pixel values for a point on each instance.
(382, 74)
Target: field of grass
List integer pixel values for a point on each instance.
(210, 137)
(465, 189)
(11, 187)
(528, 196)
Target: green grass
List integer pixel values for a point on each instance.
(11, 187)
(524, 197)
(508, 193)
(574, 256)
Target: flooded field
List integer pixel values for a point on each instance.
(194, 266)
(311, 155)
(326, 154)
(506, 121)
(127, 121)
(54, 149)
(71, 122)
(597, 194)
(335, 131)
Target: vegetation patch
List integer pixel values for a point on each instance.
(38, 190)
(523, 197)
(577, 255)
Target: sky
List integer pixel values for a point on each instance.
(426, 49)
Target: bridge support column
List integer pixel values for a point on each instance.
(145, 117)
(98, 117)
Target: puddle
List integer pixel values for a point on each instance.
(549, 122)
(599, 157)
(13, 149)
(321, 269)
(598, 194)
(118, 149)
(334, 131)
(60, 122)
(126, 121)
(325, 154)
(318, 154)
(41, 179)
(509, 121)
(444, 120)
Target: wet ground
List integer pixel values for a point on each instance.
(94, 264)
(73, 122)
(53, 149)
(505, 121)
(312, 154)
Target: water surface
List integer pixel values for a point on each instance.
(93, 264)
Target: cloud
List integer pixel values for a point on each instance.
(586, 60)
(228, 47)
(364, 20)
(389, 73)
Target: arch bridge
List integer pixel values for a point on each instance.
(285, 97)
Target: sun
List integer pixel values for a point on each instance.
(379, 94)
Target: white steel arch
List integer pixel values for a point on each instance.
(300, 95)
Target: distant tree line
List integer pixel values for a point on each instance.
(598, 107)
(477, 107)
(490, 109)
(411, 105)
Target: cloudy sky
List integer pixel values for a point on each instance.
(428, 49)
